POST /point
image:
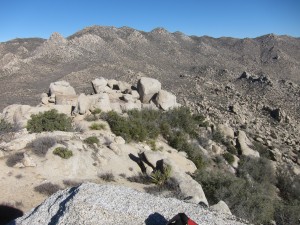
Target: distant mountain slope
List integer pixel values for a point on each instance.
(28, 65)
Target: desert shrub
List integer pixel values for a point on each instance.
(262, 149)
(19, 176)
(178, 140)
(118, 124)
(123, 175)
(259, 169)
(161, 177)
(249, 200)
(228, 157)
(287, 213)
(47, 188)
(63, 152)
(108, 177)
(13, 159)
(182, 119)
(72, 183)
(141, 178)
(170, 189)
(90, 118)
(5, 127)
(199, 162)
(287, 210)
(218, 137)
(230, 148)
(49, 121)
(177, 126)
(138, 126)
(91, 140)
(41, 145)
(152, 144)
(148, 124)
(96, 111)
(288, 185)
(97, 126)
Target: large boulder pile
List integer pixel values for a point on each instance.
(106, 204)
(109, 95)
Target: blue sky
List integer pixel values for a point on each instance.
(235, 18)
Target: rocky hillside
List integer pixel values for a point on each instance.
(70, 138)
(246, 89)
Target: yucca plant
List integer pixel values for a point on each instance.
(160, 178)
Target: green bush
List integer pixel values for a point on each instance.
(262, 149)
(97, 126)
(96, 111)
(49, 121)
(287, 213)
(138, 126)
(230, 148)
(182, 119)
(287, 210)
(148, 124)
(218, 137)
(259, 169)
(91, 140)
(63, 152)
(249, 200)
(228, 157)
(177, 126)
(90, 118)
(5, 127)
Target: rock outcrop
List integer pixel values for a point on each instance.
(221, 207)
(106, 204)
(245, 145)
(165, 100)
(147, 88)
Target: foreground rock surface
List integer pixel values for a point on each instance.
(106, 204)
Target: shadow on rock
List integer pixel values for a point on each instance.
(8, 213)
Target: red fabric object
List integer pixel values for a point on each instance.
(181, 219)
(191, 222)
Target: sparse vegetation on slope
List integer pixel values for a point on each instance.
(178, 126)
(246, 198)
(97, 126)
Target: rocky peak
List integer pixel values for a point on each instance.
(57, 38)
(160, 30)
